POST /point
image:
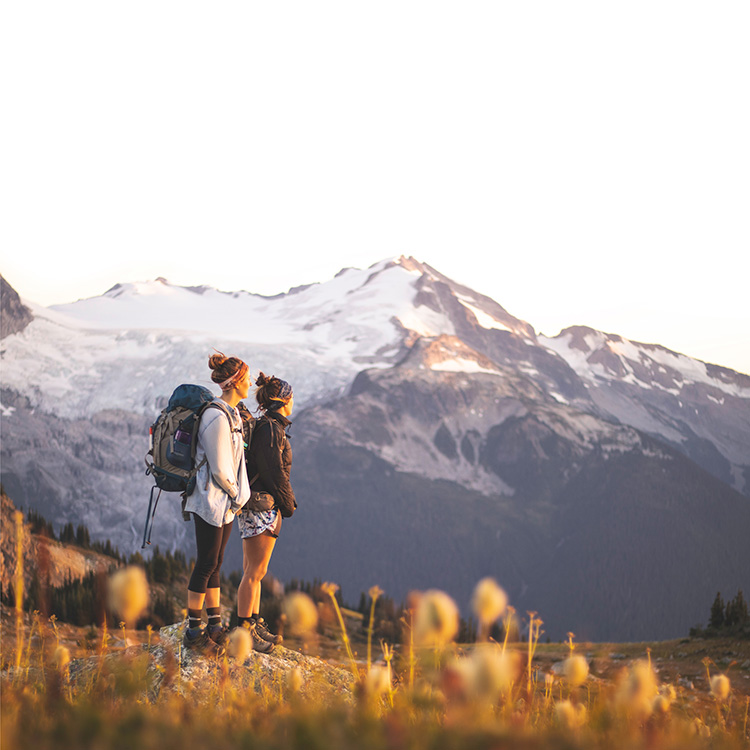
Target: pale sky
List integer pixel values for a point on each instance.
(580, 162)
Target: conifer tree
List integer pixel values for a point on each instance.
(717, 613)
(68, 534)
(83, 538)
(136, 559)
(158, 567)
(736, 611)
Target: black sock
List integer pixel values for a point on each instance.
(194, 619)
(242, 620)
(214, 617)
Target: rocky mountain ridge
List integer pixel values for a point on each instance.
(504, 480)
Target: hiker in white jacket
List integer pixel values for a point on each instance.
(221, 489)
(221, 485)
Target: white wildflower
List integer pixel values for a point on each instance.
(378, 680)
(294, 680)
(489, 601)
(637, 690)
(301, 612)
(436, 619)
(240, 644)
(494, 670)
(61, 657)
(576, 670)
(128, 593)
(720, 687)
(570, 715)
(661, 705)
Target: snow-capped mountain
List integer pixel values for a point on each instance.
(428, 419)
(142, 339)
(136, 341)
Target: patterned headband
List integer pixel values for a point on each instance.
(285, 392)
(230, 381)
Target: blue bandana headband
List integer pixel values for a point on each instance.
(285, 392)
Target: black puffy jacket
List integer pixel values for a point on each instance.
(269, 455)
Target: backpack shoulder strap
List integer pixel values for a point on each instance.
(217, 403)
(276, 429)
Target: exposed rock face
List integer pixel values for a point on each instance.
(45, 557)
(88, 471)
(14, 315)
(700, 409)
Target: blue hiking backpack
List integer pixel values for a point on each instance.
(172, 443)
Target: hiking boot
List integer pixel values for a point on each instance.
(261, 627)
(259, 644)
(218, 635)
(201, 643)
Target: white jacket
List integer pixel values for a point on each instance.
(221, 486)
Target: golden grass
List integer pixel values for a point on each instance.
(481, 696)
(440, 697)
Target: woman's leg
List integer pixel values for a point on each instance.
(256, 554)
(210, 542)
(213, 592)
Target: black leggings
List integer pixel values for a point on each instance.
(211, 542)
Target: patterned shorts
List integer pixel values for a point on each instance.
(253, 524)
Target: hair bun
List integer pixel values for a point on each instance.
(216, 360)
(263, 379)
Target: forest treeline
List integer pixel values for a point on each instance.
(726, 618)
(82, 601)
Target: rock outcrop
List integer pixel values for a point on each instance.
(14, 315)
(148, 671)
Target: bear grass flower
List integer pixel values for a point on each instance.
(436, 619)
(637, 690)
(660, 705)
(576, 670)
(377, 681)
(61, 657)
(569, 715)
(489, 601)
(720, 687)
(240, 644)
(662, 702)
(128, 593)
(487, 672)
(294, 680)
(301, 612)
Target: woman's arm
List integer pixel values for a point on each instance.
(215, 438)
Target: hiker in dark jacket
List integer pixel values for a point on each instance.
(269, 463)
